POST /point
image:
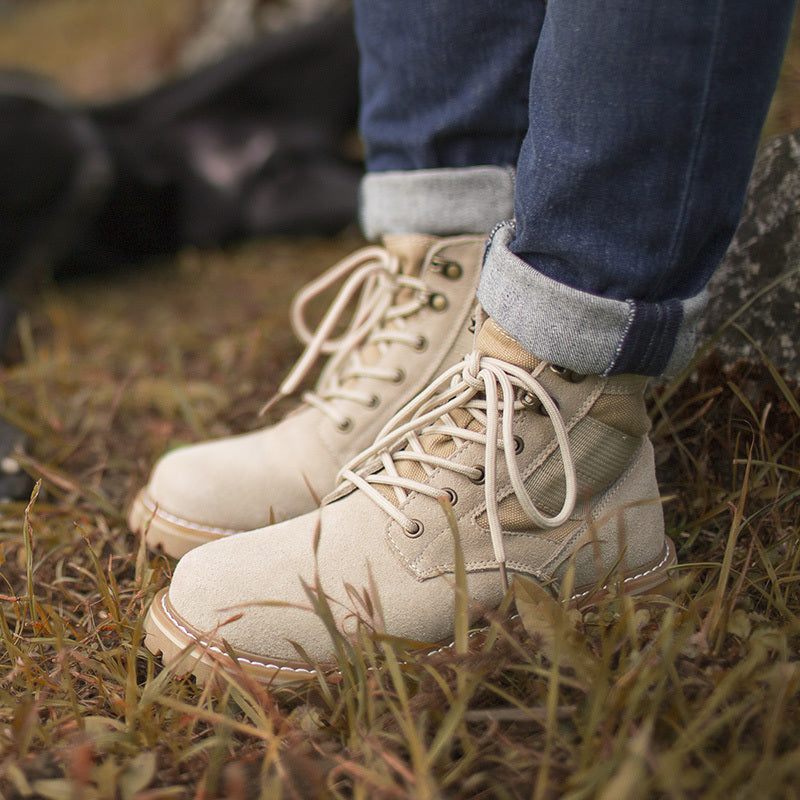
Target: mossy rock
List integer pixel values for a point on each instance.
(762, 267)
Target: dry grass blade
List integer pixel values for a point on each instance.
(460, 586)
(28, 534)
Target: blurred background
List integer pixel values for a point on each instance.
(130, 130)
(100, 48)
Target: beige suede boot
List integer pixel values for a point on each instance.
(545, 470)
(415, 299)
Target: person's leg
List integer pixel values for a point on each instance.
(445, 84)
(644, 121)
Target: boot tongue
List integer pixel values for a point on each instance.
(410, 249)
(494, 342)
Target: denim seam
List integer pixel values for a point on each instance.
(653, 331)
(623, 336)
(700, 137)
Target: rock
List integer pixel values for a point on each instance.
(762, 265)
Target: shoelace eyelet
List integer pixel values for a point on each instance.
(421, 344)
(417, 530)
(345, 425)
(452, 497)
(519, 445)
(567, 374)
(533, 403)
(480, 478)
(399, 376)
(438, 302)
(451, 270)
(374, 401)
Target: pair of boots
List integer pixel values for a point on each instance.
(423, 404)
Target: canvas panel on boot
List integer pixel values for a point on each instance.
(415, 298)
(569, 479)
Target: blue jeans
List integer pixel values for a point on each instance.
(611, 140)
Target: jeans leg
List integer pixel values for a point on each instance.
(644, 121)
(444, 109)
(445, 84)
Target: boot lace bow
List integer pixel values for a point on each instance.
(489, 390)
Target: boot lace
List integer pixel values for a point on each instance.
(488, 390)
(372, 275)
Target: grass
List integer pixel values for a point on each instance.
(697, 696)
(693, 697)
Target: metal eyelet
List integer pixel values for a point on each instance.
(519, 445)
(399, 376)
(567, 374)
(480, 478)
(451, 270)
(418, 528)
(452, 497)
(345, 425)
(533, 403)
(421, 344)
(374, 401)
(438, 302)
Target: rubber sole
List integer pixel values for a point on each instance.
(186, 650)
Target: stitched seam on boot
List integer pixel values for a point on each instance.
(156, 511)
(600, 511)
(206, 644)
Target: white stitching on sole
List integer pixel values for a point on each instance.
(629, 578)
(209, 646)
(154, 510)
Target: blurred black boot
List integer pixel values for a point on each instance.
(54, 173)
(257, 143)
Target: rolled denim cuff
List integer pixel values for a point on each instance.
(440, 202)
(586, 333)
